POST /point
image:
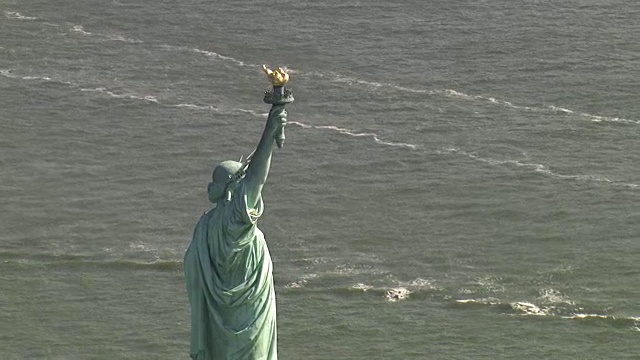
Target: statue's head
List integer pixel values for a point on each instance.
(222, 176)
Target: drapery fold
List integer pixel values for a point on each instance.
(228, 273)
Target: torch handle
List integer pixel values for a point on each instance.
(280, 137)
(278, 96)
(279, 91)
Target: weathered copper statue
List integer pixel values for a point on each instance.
(228, 270)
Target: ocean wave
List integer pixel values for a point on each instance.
(550, 302)
(124, 264)
(166, 265)
(493, 100)
(592, 117)
(632, 322)
(80, 29)
(461, 95)
(563, 311)
(371, 84)
(337, 129)
(338, 78)
(296, 284)
(128, 96)
(100, 89)
(397, 291)
(252, 112)
(102, 36)
(390, 294)
(397, 294)
(123, 39)
(7, 73)
(353, 133)
(301, 282)
(222, 57)
(105, 37)
(227, 58)
(220, 109)
(545, 109)
(194, 106)
(146, 98)
(553, 296)
(17, 16)
(84, 261)
(490, 283)
(539, 168)
(400, 290)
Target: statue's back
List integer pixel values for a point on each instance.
(228, 273)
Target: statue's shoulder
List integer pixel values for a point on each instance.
(207, 214)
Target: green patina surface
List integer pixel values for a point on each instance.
(228, 269)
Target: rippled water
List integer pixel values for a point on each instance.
(460, 179)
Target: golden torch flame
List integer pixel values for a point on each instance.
(277, 77)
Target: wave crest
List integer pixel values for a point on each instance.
(539, 168)
(17, 16)
(353, 133)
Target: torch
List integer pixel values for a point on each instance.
(279, 95)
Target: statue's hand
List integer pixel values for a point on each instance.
(277, 116)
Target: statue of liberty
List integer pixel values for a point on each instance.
(228, 270)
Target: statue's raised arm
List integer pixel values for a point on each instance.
(260, 161)
(254, 171)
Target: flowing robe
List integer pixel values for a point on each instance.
(228, 273)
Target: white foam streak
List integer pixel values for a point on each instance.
(562, 110)
(397, 294)
(44, 78)
(103, 90)
(108, 37)
(460, 95)
(252, 112)
(552, 108)
(540, 168)
(554, 297)
(527, 308)
(17, 16)
(80, 29)
(123, 39)
(582, 316)
(147, 98)
(340, 130)
(220, 110)
(194, 106)
(223, 57)
(7, 73)
(354, 81)
(296, 284)
(482, 301)
(586, 316)
(592, 117)
(361, 286)
(348, 132)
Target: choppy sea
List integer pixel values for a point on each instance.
(460, 179)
